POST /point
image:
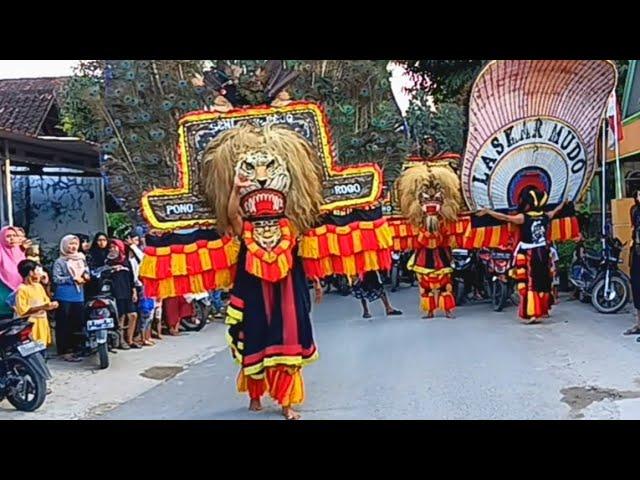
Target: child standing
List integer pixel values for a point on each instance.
(33, 302)
(218, 304)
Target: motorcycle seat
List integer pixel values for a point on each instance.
(5, 322)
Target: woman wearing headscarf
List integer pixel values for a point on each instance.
(10, 256)
(124, 291)
(85, 243)
(85, 247)
(99, 250)
(96, 258)
(23, 241)
(70, 273)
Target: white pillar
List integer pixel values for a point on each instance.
(7, 177)
(619, 193)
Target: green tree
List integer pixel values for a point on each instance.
(79, 118)
(447, 81)
(118, 224)
(436, 131)
(365, 120)
(623, 69)
(131, 108)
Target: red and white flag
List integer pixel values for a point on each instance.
(614, 117)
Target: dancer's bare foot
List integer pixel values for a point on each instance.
(530, 321)
(428, 315)
(449, 314)
(255, 405)
(290, 414)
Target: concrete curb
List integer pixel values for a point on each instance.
(82, 391)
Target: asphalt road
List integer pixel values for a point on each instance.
(480, 365)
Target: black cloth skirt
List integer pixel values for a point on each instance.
(369, 288)
(635, 278)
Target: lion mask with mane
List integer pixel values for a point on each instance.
(427, 194)
(270, 157)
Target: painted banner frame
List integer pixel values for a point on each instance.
(185, 207)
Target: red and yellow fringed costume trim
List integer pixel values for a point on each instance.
(433, 279)
(562, 229)
(436, 291)
(444, 300)
(405, 235)
(490, 237)
(195, 268)
(431, 261)
(532, 304)
(270, 265)
(457, 230)
(347, 250)
(271, 357)
(409, 237)
(284, 384)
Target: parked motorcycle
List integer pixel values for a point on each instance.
(338, 282)
(399, 271)
(597, 277)
(470, 282)
(502, 284)
(203, 308)
(99, 331)
(23, 371)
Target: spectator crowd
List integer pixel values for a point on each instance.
(54, 297)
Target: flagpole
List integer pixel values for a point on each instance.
(619, 193)
(604, 180)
